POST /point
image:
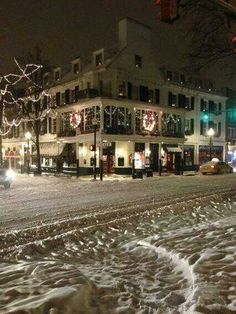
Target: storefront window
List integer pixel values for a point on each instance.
(146, 122)
(171, 125)
(204, 153)
(87, 116)
(188, 155)
(117, 120)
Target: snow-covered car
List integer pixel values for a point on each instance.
(6, 177)
(216, 167)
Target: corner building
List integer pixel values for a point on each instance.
(143, 112)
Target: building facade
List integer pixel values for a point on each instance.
(126, 111)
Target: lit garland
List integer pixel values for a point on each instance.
(166, 118)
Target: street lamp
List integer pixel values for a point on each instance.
(28, 136)
(210, 133)
(58, 164)
(95, 124)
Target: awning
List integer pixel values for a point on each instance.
(50, 149)
(174, 149)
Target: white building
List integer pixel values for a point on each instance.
(141, 114)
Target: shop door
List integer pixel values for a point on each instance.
(178, 163)
(170, 162)
(154, 158)
(108, 163)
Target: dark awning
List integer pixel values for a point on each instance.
(174, 149)
(50, 149)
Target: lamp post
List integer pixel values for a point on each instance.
(95, 124)
(28, 136)
(210, 133)
(58, 163)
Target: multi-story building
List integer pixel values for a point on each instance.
(140, 112)
(231, 126)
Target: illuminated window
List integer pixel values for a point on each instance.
(138, 61)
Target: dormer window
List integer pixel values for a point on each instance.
(98, 59)
(76, 68)
(169, 76)
(57, 74)
(138, 61)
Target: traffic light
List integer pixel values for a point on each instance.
(92, 148)
(205, 117)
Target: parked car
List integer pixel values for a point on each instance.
(216, 167)
(6, 177)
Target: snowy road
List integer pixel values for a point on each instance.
(160, 245)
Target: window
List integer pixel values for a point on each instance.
(169, 75)
(181, 100)
(76, 68)
(189, 126)
(76, 93)
(203, 127)
(98, 59)
(63, 99)
(150, 95)
(122, 89)
(172, 100)
(182, 79)
(212, 106)
(101, 87)
(219, 129)
(138, 61)
(219, 107)
(67, 96)
(199, 83)
(117, 120)
(231, 132)
(143, 93)
(129, 90)
(57, 75)
(157, 96)
(203, 105)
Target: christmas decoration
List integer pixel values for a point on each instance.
(75, 119)
(149, 121)
(167, 118)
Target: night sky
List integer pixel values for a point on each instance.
(64, 29)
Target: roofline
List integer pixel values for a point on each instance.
(135, 21)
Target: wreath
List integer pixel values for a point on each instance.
(75, 119)
(149, 121)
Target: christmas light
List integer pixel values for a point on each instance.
(75, 119)
(149, 121)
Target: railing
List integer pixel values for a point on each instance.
(67, 133)
(118, 130)
(172, 134)
(87, 93)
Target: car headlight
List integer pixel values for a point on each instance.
(10, 174)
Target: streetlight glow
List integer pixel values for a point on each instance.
(210, 132)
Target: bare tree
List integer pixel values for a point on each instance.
(36, 101)
(211, 40)
(9, 106)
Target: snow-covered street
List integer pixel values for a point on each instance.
(158, 245)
